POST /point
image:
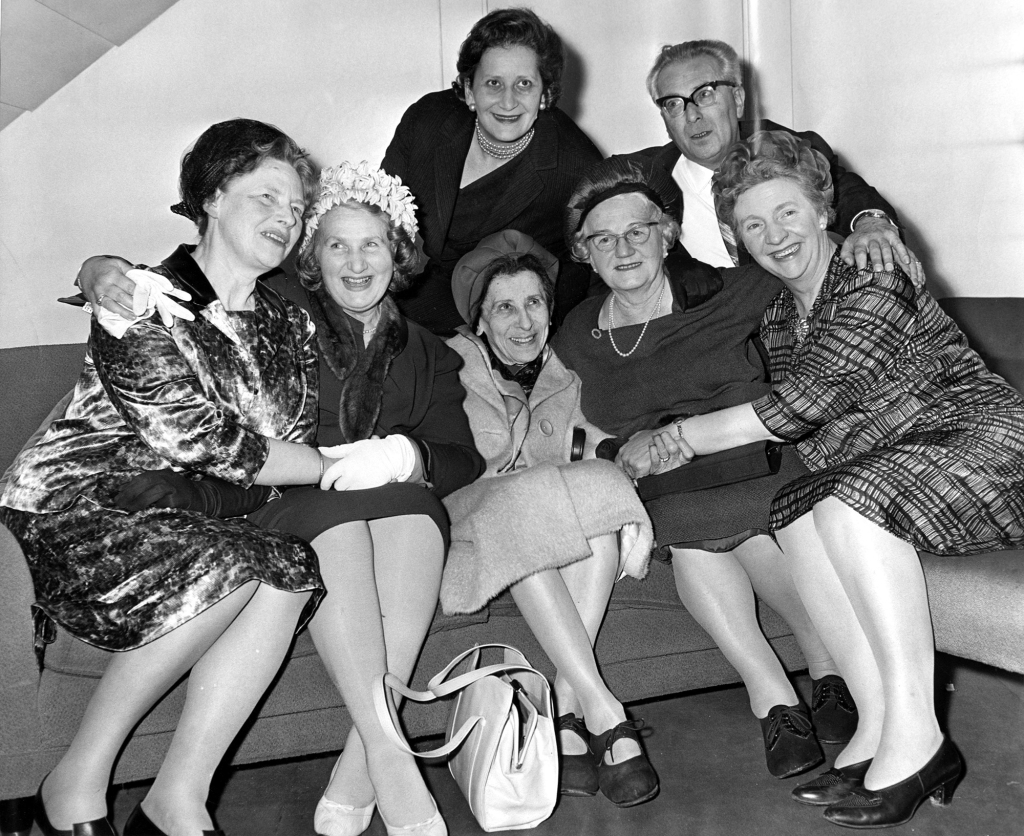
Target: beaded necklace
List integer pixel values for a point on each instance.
(503, 150)
(611, 321)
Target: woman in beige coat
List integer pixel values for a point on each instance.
(547, 521)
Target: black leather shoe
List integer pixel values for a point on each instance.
(96, 827)
(896, 804)
(629, 782)
(139, 824)
(833, 711)
(790, 746)
(577, 774)
(832, 786)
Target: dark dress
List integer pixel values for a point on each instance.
(420, 397)
(529, 193)
(700, 358)
(894, 415)
(202, 397)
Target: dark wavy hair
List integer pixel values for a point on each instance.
(510, 265)
(769, 155)
(403, 251)
(228, 150)
(507, 28)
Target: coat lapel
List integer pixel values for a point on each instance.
(449, 159)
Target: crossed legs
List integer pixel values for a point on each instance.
(233, 656)
(718, 591)
(382, 579)
(865, 591)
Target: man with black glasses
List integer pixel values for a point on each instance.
(698, 87)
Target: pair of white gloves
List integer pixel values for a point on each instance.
(153, 294)
(369, 463)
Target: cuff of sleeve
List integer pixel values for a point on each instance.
(872, 213)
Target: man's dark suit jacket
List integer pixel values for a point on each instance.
(429, 151)
(850, 193)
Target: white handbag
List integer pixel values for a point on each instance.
(500, 738)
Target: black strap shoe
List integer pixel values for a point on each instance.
(577, 774)
(629, 782)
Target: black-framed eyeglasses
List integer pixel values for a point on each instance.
(704, 96)
(635, 235)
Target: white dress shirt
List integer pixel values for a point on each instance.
(701, 235)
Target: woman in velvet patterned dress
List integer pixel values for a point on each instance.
(391, 412)
(229, 395)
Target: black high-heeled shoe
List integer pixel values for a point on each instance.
(96, 827)
(896, 804)
(577, 774)
(629, 782)
(832, 786)
(139, 824)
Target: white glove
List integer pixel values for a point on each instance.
(628, 535)
(369, 463)
(152, 293)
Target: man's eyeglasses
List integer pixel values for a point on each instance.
(704, 96)
(635, 235)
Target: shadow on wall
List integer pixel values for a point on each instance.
(574, 82)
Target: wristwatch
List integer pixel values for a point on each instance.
(872, 213)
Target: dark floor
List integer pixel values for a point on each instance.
(707, 749)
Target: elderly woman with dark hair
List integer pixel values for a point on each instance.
(228, 395)
(392, 425)
(541, 522)
(493, 153)
(912, 444)
(672, 338)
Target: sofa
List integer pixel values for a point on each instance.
(649, 645)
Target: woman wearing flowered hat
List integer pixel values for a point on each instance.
(391, 415)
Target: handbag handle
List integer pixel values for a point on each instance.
(437, 688)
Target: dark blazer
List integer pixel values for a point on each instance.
(422, 398)
(429, 151)
(851, 194)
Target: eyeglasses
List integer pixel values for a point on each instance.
(704, 96)
(607, 241)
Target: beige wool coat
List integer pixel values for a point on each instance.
(532, 509)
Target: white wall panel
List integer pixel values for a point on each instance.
(925, 98)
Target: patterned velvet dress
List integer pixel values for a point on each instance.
(202, 397)
(895, 415)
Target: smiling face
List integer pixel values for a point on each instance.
(256, 217)
(784, 232)
(628, 267)
(514, 316)
(703, 134)
(506, 92)
(355, 259)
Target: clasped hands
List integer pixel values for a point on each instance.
(368, 463)
(650, 452)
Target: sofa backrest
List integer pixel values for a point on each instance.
(994, 327)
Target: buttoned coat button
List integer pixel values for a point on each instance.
(545, 427)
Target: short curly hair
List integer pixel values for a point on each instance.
(506, 28)
(769, 155)
(512, 264)
(620, 174)
(403, 251)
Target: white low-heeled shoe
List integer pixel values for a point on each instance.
(334, 819)
(434, 826)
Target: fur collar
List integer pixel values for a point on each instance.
(362, 373)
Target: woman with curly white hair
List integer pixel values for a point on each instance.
(391, 414)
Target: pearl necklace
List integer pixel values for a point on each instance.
(611, 321)
(503, 150)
